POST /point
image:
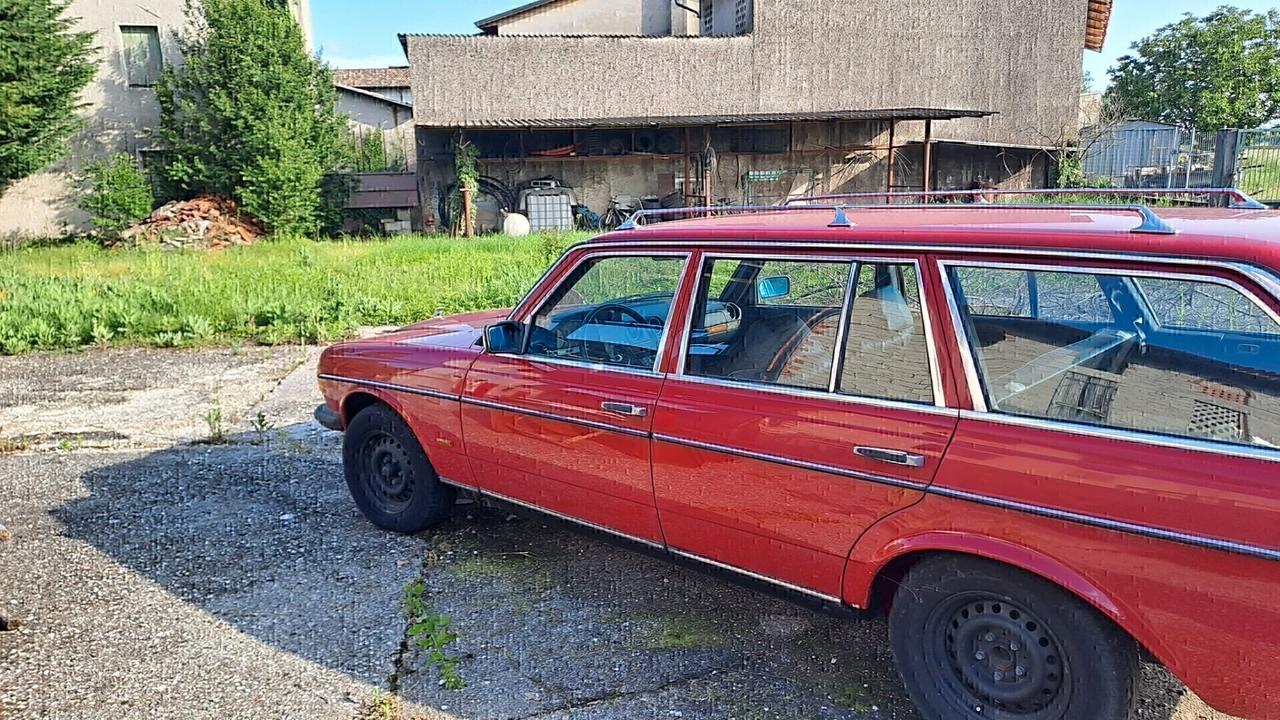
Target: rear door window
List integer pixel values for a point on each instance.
(768, 321)
(789, 322)
(1184, 356)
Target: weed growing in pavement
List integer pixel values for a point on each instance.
(262, 426)
(430, 631)
(685, 632)
(382, 706)
(217, 426)
(13, 444)
(71, 445)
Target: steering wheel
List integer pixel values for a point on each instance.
(612, 353)
(599, 310)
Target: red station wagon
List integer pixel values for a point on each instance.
(1044, 439)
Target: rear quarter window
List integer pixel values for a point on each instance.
(1184, 356)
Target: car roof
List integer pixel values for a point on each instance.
(1242, 234)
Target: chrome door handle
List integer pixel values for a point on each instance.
(621, 408)
(894, 457)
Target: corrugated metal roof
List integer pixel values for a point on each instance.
(1095, 29)
(727, 119)
(493, 20)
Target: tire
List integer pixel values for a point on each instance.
(978, 640)
(390, 477)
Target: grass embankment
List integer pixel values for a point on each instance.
(70, 296)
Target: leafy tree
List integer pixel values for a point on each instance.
(116, 194)
(1221, 70)
(43, 67)
(251, 114)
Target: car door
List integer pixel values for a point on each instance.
(564, 426)
(806, 406)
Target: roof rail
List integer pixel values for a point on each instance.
(1240, 199)
(1151, 223)
(633, 221)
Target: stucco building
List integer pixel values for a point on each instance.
(624, 98)
(135, 41)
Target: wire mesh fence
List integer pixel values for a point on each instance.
(1151, 155)
(1258, 163)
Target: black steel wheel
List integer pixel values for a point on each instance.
(390, 477)
(976, 639)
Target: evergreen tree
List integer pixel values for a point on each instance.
(44, 65)
(251, 114)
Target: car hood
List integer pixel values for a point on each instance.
(452, 331)
(432, 356)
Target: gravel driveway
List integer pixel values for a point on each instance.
(156, 575)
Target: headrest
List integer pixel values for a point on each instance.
(889, 302)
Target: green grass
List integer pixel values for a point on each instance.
(1260, 176)
(284, 291)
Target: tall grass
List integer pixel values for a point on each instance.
(64, 297)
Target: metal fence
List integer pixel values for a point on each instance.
(1257, 166)
(1151, 156)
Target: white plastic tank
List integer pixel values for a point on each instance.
(515, 225)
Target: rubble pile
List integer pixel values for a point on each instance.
(204, 222)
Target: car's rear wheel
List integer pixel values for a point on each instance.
(389, 475)
(974, 639)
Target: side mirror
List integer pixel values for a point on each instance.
(504, 337)
(775, 287)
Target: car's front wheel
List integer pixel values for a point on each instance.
(977, 640)
(389, 475)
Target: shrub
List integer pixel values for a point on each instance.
(251, 114)
(116, 194)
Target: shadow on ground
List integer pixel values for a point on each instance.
(549, 623)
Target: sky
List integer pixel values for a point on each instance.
(363, 33)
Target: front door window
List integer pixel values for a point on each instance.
(611, 310)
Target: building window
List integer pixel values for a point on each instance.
(142, 59)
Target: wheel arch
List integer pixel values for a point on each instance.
(353, 402)
(892, 561)
(871, 580)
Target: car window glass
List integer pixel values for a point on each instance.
(610, 310)
(886, 353)
(1222, 383)
(781, 329)
(1200, 306)
(991, 291)
(1070, 297)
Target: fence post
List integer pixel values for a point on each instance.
(1191, 157)
(1225, 154)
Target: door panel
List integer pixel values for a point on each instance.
(536, 433)
(775, 516)
(565, 426)
(758, 462)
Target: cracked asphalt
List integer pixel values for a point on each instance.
(155, 575)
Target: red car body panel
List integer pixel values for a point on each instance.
(788, 522)
(572, 468)
(763, 481)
